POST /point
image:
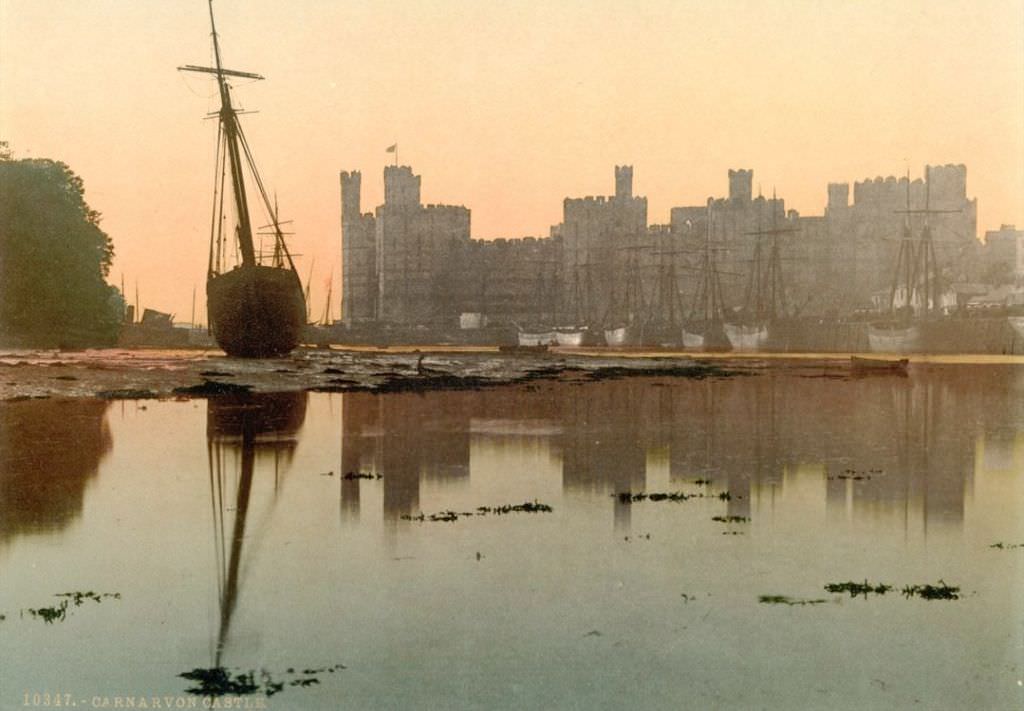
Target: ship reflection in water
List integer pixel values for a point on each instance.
(277, 533)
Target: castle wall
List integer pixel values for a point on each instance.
(603, 264)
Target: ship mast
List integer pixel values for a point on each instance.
(237, 154)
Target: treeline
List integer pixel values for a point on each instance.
(54, 259)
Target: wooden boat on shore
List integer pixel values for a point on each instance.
(879, 366)
(256, 307)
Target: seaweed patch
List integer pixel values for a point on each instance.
(939, 591)
(58, 613)
(450, 516)
(219, 681)
(856, 589)
(786, 600)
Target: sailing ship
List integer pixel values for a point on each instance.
(540, 333)
(624, 327)
(766, 294)
(256, 308)
(914, 287)
(703, 330)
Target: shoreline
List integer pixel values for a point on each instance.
(118, 374)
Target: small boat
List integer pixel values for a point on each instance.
(895, 366)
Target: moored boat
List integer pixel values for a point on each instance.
(621, 336)
(570, 337)
(746, 337)
(879, 365)
(693, 340)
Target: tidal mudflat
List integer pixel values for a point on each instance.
(774, 539)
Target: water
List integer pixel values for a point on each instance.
(231, 545)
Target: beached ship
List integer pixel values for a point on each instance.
(255, 306)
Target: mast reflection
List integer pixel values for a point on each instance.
(247, 435)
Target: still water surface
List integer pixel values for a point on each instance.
(233, 541)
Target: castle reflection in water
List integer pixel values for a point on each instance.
(882, 446)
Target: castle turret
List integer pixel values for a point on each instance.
(741, 184)
(401, 187)
(350, 194)
(623, 181)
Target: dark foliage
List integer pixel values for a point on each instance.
(53, 259)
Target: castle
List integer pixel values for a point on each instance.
(414, 264)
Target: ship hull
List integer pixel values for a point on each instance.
(744, 337)
(705, 336)
(621, 337)
(894, 339)
(570, 338)
(256, 311)
(536, 338)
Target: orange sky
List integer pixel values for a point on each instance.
(504, 107)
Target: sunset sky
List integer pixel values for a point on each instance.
(504, 107)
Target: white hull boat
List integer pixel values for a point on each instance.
(744, 337)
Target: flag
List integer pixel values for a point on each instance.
(392, 148)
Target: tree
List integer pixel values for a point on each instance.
(53, 259)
